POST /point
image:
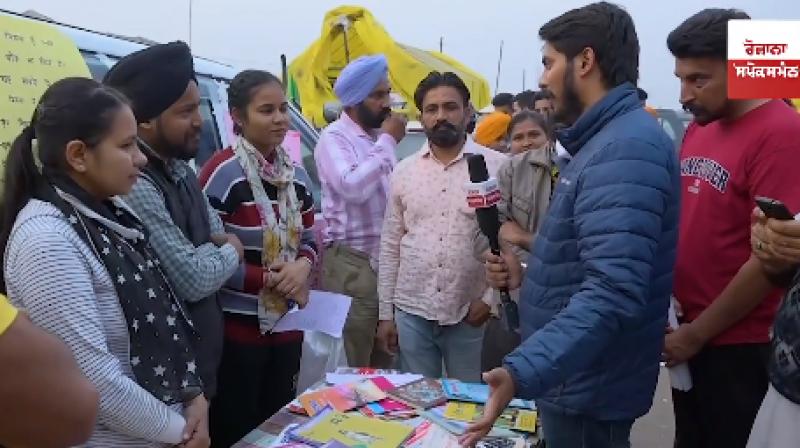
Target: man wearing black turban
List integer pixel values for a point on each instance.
(185, 232)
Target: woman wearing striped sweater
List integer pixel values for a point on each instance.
(262, 198)
(77, 261)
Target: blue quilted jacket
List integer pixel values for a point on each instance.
(595, 295)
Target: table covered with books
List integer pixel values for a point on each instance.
(367, 408)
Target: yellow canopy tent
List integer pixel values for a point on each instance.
(349, 32)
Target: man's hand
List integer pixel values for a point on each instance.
(395, 125)
(288, 279)
(387, 336)
(511, 233)
(681, 345)
(776, 243)
(503, 271)
(219, 239)
(478, 313)
(502, 391)
(195, 433)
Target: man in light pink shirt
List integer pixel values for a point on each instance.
(433, 293)
(354, 158)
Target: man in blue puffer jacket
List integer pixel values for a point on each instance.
(596, 291)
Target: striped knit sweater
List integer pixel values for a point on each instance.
(224, 182)
(55, 277)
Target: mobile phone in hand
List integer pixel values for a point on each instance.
(773, 208)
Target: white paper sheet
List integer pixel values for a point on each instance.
(679, 375)
(325, 312)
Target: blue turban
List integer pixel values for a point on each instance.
(359, 79)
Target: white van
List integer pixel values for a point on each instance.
(101, 51)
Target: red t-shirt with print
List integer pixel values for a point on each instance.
(724, 166)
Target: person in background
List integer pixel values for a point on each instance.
(77, 260)
(492, 131)
(524, 101)
(503, 102)
(354, 158)
(472, 121)
(776, 245)
(186, 233)
(734, 151)
(41, 386)
(594, 302)
(526, 184)
(264, 199)
(643, 100)
(543, 103)
(433, 293)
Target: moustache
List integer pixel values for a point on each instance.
(445, 125)
(693, 109)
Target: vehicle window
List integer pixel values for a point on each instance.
(308, 141)
(669, 129)
(97, 68)
(410, 144)
(210, 140)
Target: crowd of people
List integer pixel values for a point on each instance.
(150, 293)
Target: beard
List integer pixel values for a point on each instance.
(571, 107)
(370, 119)
(445, 134)
(702, 116)
(185, 150)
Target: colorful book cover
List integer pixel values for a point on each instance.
(344, 397)
(457, 427)
(477, 393)
(517, 419)
(462, 411)
(501, 442)
(511, 418)
(339, 398)
(368, 391)
(352, 430)
(334, 444)
(428, 435)
(421, 394)
(386, 404)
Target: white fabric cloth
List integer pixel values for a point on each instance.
(777, 424)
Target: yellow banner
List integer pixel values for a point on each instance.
(33, 55)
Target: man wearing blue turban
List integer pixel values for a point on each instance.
(354, 158)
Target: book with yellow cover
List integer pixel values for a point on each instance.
(511, 418)
(352, 430)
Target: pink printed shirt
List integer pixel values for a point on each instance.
(353, 167)
(427, 266)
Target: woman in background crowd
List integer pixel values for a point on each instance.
(526, 183)
(78, 262)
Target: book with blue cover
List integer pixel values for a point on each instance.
(477, 393)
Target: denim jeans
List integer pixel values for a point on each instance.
(575, 431)
(425, 344)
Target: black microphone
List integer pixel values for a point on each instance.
(483, 195)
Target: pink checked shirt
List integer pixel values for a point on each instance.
(427, 266)
(353, 168)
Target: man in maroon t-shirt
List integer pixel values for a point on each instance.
(735, 150)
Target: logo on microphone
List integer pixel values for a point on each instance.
(483, 194)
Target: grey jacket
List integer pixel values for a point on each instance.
(525, 183)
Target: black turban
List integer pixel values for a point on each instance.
(153, 78)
